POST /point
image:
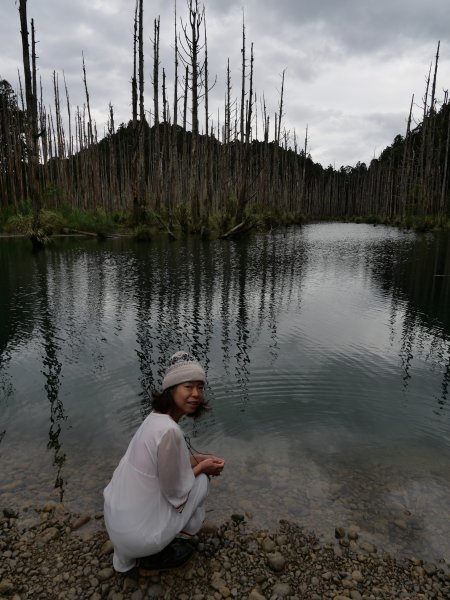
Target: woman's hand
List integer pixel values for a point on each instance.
(198, 458)
(211, 465)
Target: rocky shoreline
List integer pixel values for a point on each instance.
(50, 553)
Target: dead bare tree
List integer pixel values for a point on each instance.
(406, 163)
(156, 29)
(243, 78)
(192, 46)
(175, 82)
(32, 126)
(134, 93)
(446, 161)
(280, 111)
(88, 105)
(141, 61)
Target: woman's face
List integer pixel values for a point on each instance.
(187, 398)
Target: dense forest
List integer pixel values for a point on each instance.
(174, 165)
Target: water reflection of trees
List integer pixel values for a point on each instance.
(217, 299)
(221, 300)
(417, 276)
(16, 304)
(46, 314)
(212, 298)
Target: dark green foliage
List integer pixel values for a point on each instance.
(12, 147)
(143, 233)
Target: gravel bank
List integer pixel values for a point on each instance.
(50, 553)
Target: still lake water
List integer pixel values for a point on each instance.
(328, 358)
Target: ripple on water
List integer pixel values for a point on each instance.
(327, 375)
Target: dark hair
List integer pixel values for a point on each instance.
(163, 403)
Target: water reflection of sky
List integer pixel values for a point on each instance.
(327, 372)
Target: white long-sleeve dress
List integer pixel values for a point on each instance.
(153, 494)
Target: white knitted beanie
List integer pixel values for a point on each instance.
(182, 367)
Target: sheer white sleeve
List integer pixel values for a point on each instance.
(174, 469)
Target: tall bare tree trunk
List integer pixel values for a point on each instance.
(442, 208)
(134, 93)
(406, 164)
(228, 106)
(88, 105)
(248, 128)
(192, 59)
(32, 132)
(243, 82)
(137, 158)
(141, 61)
(175, 83)
(156, 138)
(156, 73)
(280, 112)
(303, 181)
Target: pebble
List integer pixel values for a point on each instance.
(237, 518)
(368, 547)
(107, 548)
(286, 564)
(6, 587)
(276, 561)
(281, 589)
(353, 532)
(80, 521)
(217, 582)
(429, 568)
(256, 595)
(48, 535)
(357, 576)
(155, 590)
(268, 545)
(105, 574)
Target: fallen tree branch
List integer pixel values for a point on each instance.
(89, 233)
(236, 230)
(166, 227)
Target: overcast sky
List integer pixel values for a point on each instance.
(351, 65)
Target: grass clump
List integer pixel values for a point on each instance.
(19, 223)
(142, 233)
(421, 224)
(90, 220)
(182, 216)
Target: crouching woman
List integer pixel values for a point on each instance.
(158, 490)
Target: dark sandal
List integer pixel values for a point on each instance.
(173, 556)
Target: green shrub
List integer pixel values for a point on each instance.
(142, 233)
(51, 222)
(92, 220)
(182, 215)
(19, 223)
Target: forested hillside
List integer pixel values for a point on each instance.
(174, 163)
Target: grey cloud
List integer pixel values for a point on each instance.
(358, 25)
(311, 39)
